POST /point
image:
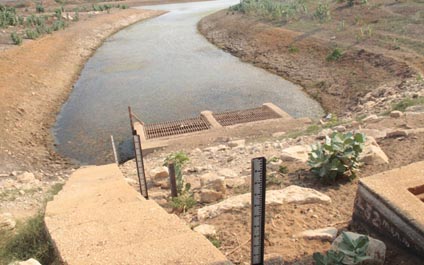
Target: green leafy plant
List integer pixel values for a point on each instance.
(184, 200)
(335, 55)
(350, 251)
(273, 179)
(337, 157)
(293, 49)
(215, 241)
(322, 12)
(39, 8)
(283, 169)
(17, 40)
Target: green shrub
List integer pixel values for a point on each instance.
(322, 12)
(408, 102)
(8, 16)
(58, 25)
(293, 49)
(337, 157)
(39, 8)
(31, 34)
(184, 200)
(76, 16)
(17, 40)
(58, 13)
(335, 55)
(350, 252)
(124, 6)
(215, 241)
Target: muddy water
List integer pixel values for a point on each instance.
(165, 70)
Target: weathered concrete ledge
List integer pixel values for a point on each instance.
(391, 203)
(99, 219)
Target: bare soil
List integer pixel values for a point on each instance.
(297, 50)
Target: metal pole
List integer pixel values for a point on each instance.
(258, 210)
(173, 181)
(131, 121)
(140, 166)
(115, 155)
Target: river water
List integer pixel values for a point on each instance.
(165, 70)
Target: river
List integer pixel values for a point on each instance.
(165, 70)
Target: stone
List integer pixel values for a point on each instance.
(376, 248)
(324, 234)
(237, 143)
(194, 182)
(292, 194)
(416, 108)
(213, 182)
(227, 173)
(278, 134)
(297, 153)
(397, 133)
(374, 133)
(7, 222)
(159, 175)
(273, 259)
(371, 118)
(235, 182)
(26, 177)
(396, 114)
(372, 153)
(131, 181)
(208, 196)
(206, 230)
(30, 261)
(340, 128)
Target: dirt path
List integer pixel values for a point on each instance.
(35, 81)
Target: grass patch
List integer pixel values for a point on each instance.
(312, 129)
(408, 102)
(215, 241)
(29, 241)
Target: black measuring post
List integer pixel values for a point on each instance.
(173, 181)
(258, 210)
(140, 166)
(133, 132)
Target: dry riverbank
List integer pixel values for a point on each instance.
(36, 79)
(346, 85)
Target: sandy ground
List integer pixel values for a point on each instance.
(35, 81)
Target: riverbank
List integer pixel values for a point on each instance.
(358, 79)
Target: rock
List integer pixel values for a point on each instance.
(222, 147)
(291, 194)
(194, 182)
(131, 181)
(227, 173)
(212, 149)
(206, 230)
(371, 118)
(27, 262)
(159, 175)
(278, 134)
(396, 114)
(235, 182)
(397, 133)
(26, 177)
(374, 133)
(340, 128)
(416, 108)
(376, 248)
(213, 182)
(296, 153)
(372, 153)
(237, 143)
(208, 196)
(325, 234)
(7, 222)
(273, 259)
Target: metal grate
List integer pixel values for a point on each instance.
(156, 130)
(243, 116)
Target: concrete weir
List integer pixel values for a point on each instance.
(154, 136)
(392, 202)
(99, 219)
